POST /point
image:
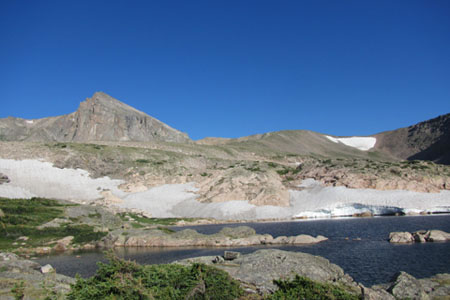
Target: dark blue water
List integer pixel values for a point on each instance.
(357, 245)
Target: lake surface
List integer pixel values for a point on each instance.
(358, 245)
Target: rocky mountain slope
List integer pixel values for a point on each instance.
(100, 118)
(428, 140)
(295, 142)
(215, 177)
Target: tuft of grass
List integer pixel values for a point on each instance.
(137, 225)
(95, 215)
(165, 230)
(142, 161)
(283, 172)
(154, 221)
(272, 164)
(253, 169)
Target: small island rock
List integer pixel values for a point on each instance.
(401, 237)
(421, 236)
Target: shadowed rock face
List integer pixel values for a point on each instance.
(100, 118)
(429, 140)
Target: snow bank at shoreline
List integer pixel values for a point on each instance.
(33, 178)
(358, 142)
(317, 201)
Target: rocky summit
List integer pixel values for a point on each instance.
(100, 118)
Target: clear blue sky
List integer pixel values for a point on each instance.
(232, 68)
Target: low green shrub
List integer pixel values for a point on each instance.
(120, 279)
(305, 288)
(283, 172)
(253, 169)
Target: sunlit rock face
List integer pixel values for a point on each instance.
(100, 118)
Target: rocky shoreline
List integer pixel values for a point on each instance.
(21, 277)
(159, 236)
(241, 236)
(227, 237)
(255, 272)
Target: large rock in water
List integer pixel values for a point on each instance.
(100, 118)
(401, 237)
(438, 236)
(421, 236)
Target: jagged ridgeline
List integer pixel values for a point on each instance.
(100, 118)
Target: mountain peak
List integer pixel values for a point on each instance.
(99, 118)
(101, 99)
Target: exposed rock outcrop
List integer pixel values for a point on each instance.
(258, 269)
(36, 281)
(259, 188)
(100, 118)
(256, 272)
(62, 244)
(55, 223)
(401, 237)
(394, 179)
(3, 178)
(406, 286)
(421, 236)
(238, 236)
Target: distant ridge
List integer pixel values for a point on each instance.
(428, 140)
(104, 118)
(100, 118)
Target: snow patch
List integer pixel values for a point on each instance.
(160, 200)
(34, 178)
(29, 121)
(358, 142)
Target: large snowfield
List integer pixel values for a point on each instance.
(34, 178)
